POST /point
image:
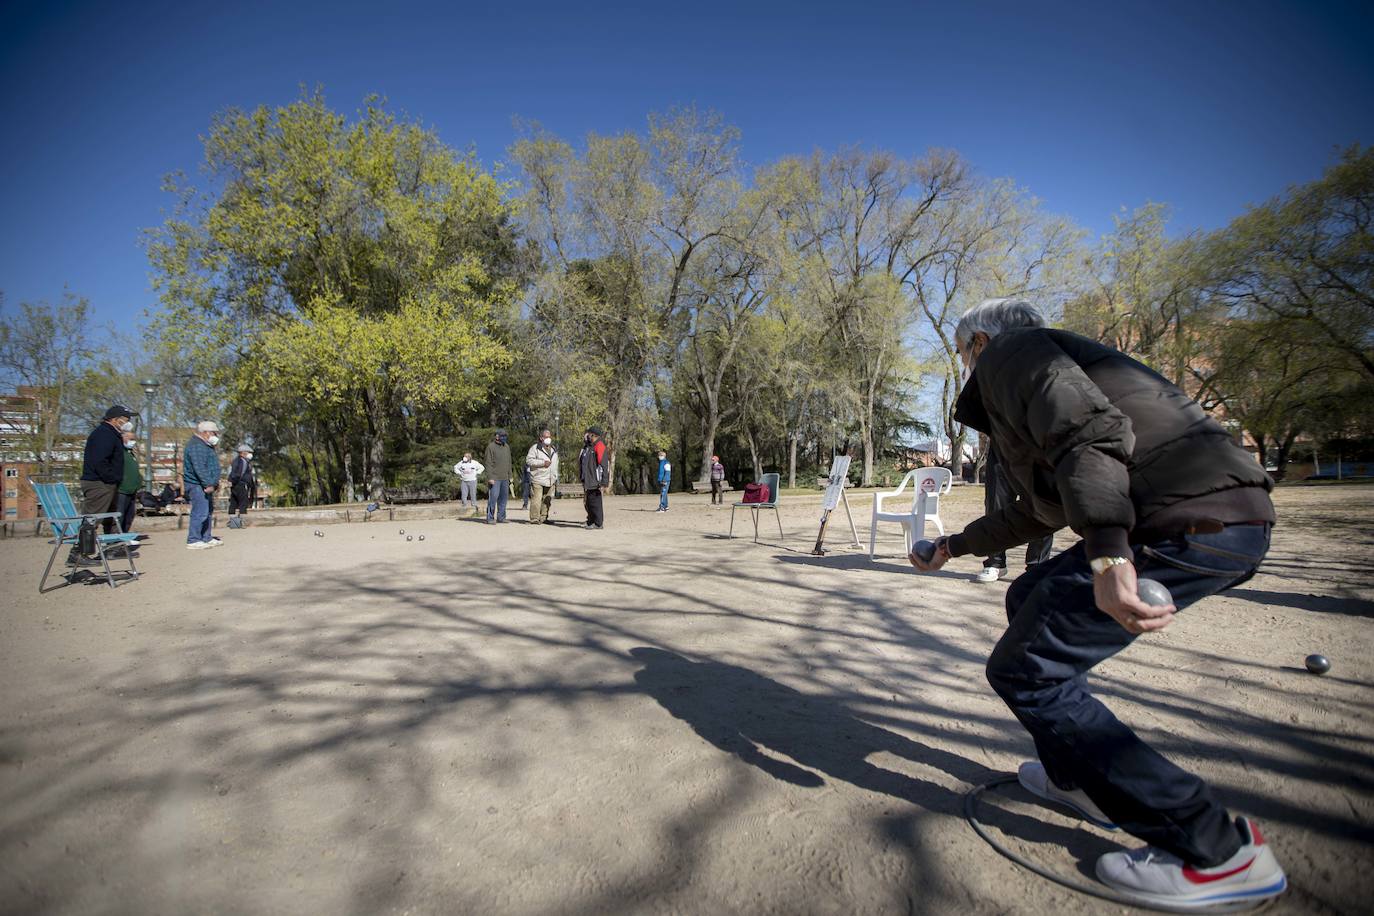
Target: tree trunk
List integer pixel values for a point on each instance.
(376, 443)
(792, 462)
(754, 454)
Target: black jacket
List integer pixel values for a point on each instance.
(241, 472)
(103, 459)
(591, 467)
(1092, 439)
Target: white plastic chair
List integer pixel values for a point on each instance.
(918, 506)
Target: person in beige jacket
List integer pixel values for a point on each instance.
(542, 461)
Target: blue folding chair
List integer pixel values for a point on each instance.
(56, 502)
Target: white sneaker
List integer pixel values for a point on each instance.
(990, 574)
(1036, 781)
(199, 545)
(213, 542)
(1155, 877)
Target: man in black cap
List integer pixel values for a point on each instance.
(592, 472)
(102, 470)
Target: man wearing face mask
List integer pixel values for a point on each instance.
(200, 473)
(542, 466)
(130, 485)
(102, 471)
(665, 479)
(497, 459)
(1092, 439)
(243, 485)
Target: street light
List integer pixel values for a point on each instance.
(149, 389)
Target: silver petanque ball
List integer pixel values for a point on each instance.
(409, 538)
(1152, 593)
(1317, 664)
(422, 537)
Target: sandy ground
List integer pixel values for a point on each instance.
(648, 719)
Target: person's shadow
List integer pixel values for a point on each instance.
(756, 719)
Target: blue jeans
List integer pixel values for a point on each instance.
(1056, 635)
(497, 497)
(199, 527)
(663, 495)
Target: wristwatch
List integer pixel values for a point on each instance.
(1102, 564)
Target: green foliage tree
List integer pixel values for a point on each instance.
(343, 276)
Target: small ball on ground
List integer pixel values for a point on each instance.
(409, 538)
(403, 531)
(422, 537)
(1152, 593)
(1318, 664)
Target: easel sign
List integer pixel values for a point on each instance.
(834, 497)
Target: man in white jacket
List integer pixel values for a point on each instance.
(468, 471)
(542, 462)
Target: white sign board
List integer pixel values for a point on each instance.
(839, 471)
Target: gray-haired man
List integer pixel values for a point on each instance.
(1092, 439)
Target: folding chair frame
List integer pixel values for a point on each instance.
(65, 530)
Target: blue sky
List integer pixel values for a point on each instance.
(1208, 106)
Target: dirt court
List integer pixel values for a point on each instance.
(645, 719)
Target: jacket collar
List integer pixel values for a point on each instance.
(969, 409)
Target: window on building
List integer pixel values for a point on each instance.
(11, 472)
(11, 513)
(11, 494)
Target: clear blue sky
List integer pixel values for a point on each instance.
(1208, 105)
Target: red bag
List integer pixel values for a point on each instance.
(755, 493)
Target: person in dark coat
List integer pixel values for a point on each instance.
(102, 471)
(1094, 440)
(497, 461)
(243, 485)
(593, 474)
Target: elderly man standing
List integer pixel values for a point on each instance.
(593, 475)
(1092, 439)
(542, 466)
(200, 473)
(130, 485)
(243, 485)
(498, 477)
(468, 471)
(102, 471)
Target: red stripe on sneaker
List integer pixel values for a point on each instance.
(1197, 877)
(1256, 837)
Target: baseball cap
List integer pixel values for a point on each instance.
(119, 410)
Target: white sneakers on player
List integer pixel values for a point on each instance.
(991, 574)
(1157, 878)
(1036, 781)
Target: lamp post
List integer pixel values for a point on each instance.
(149, 389)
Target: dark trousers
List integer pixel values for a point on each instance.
(595, 514)
(128, 502)
(716, 495)
(497, 496)
(1057, 634)
(98, 497)
(240, 497)
(997, 494)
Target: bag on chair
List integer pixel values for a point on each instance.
(756, 493)
(85, 538)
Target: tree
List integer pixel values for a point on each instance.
(1307, 259)
(620, 227)
(48, 348)
(342, 276)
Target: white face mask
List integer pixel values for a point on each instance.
(128, 445)
(548, 441)
(213, 440)
(128, 427)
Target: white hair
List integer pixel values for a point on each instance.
(207, 426)
(993, 316)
